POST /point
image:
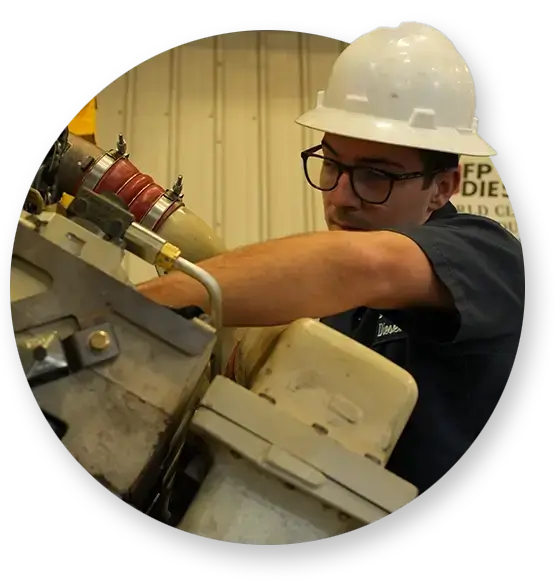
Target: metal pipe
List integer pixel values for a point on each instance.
(215, 305)
(210, 284)
(143, 243)
(151, 247)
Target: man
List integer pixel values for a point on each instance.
(439, 293)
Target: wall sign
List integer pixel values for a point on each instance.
(482, 192)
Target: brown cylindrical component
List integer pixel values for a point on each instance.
(84, 165)
(76, 162)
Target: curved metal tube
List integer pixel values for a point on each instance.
(210, 284)
(215, 304)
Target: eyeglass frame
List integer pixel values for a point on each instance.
(349, 169)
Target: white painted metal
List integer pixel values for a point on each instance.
(240, 503)
(275, 480)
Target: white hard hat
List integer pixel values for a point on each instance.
(405, 86)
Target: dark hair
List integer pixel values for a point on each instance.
(437, 160)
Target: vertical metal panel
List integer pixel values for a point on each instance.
(221, 111)
(111, 113)
(241, 156)
(317, 56)
(284, 105)
(264, 168)
(151, 117)
(195, 126)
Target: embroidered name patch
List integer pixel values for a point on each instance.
(386, 330)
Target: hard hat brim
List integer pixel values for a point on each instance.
(368, 128)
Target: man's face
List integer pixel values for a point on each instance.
(408, 203)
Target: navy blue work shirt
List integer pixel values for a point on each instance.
(461, 363)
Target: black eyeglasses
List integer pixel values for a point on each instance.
(373, 186)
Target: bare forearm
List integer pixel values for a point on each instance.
(276, 282)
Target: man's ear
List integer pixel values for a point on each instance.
(444, 186)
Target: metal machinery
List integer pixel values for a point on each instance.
(294, 451)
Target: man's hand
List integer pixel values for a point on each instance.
(312, 275)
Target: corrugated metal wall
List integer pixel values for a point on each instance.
(221, 112)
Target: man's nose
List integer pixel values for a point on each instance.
(342, 195)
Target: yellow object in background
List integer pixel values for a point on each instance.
(84, 123)
(66, 200)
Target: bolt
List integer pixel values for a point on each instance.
(121, 145)
(40, 353)
(178, 186)
(99, 340)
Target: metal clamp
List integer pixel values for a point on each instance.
(121, 148)
(105, 211)
(175, 194)
(47, 357)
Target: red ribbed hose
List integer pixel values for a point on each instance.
(136, 189)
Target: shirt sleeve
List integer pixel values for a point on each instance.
(481, 264)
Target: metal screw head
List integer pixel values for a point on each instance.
(99, 340)
(40, 353)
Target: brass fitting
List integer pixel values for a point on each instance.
(167, 256)
(99, 340)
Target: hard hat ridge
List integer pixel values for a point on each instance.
(407, 86)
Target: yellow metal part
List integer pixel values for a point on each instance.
(66, 200)
(167, 256)
(84, 123)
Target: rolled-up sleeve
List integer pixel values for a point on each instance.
(481, 264)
